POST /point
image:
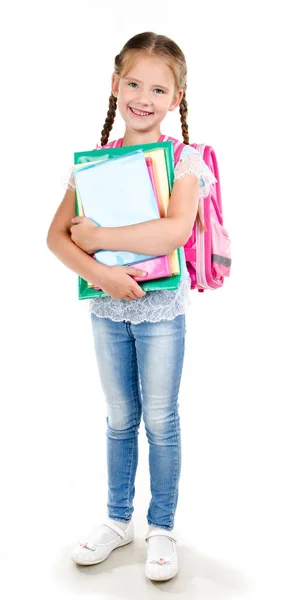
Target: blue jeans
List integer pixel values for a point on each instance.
(140, 368)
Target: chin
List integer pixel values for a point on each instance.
(145, 129)
(139, 125)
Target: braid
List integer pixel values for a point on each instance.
(109, 120)
(183, 116)
(183, 113)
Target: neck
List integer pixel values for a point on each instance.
(133, 138)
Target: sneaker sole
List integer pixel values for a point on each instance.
(162, 579)
(96, 562)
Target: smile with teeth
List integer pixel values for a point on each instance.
(140, 113)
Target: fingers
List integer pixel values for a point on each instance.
(135, 272)
(77, 220)
(138, 291)
(134, 293)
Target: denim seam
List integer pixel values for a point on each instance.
(174, 479)
(178, 442)
(127, 323)
(132, 439)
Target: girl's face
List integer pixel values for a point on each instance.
(146, 93)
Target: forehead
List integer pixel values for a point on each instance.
(149, 69)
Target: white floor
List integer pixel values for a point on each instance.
(233, 516)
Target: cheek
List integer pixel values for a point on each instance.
(125, 94)
(125, 100)
(162, 103)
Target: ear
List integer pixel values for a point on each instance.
(115, 84)
(177, 99)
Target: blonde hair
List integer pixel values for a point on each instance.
(156, 45)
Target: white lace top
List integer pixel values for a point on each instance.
(161, 304)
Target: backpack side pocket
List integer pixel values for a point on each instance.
(220, 251)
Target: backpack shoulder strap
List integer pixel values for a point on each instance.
(209, 157)
(178, 147)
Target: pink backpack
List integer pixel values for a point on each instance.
(208, 252)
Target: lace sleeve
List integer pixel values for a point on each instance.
(68, 181)
(193, 164)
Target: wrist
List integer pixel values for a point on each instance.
(101, 272)
(98, 235)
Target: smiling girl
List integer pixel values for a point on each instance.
(139, 338)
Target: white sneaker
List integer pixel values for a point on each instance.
(96, 549)
(161, 566)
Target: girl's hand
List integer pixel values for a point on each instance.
(84, 234)
(118, 283)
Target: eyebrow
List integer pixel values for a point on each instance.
(162, 87)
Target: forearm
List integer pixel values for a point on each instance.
(157, 237)
(74, 258)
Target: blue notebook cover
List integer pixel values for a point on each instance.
(115, 193)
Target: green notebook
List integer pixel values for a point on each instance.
(169, 283)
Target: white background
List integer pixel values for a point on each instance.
(234, 508)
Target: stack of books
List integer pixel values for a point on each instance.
(124, 186)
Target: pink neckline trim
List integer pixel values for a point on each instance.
(119, 142)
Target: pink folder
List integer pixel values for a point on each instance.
(156, 267)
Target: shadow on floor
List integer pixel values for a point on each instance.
(122, 575)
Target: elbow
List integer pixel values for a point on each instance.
(182, 238)
(50, 240)
(53, 239)
(182, 232)
(178, 242)
(185, 237)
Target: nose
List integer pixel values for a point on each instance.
(143, 97)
